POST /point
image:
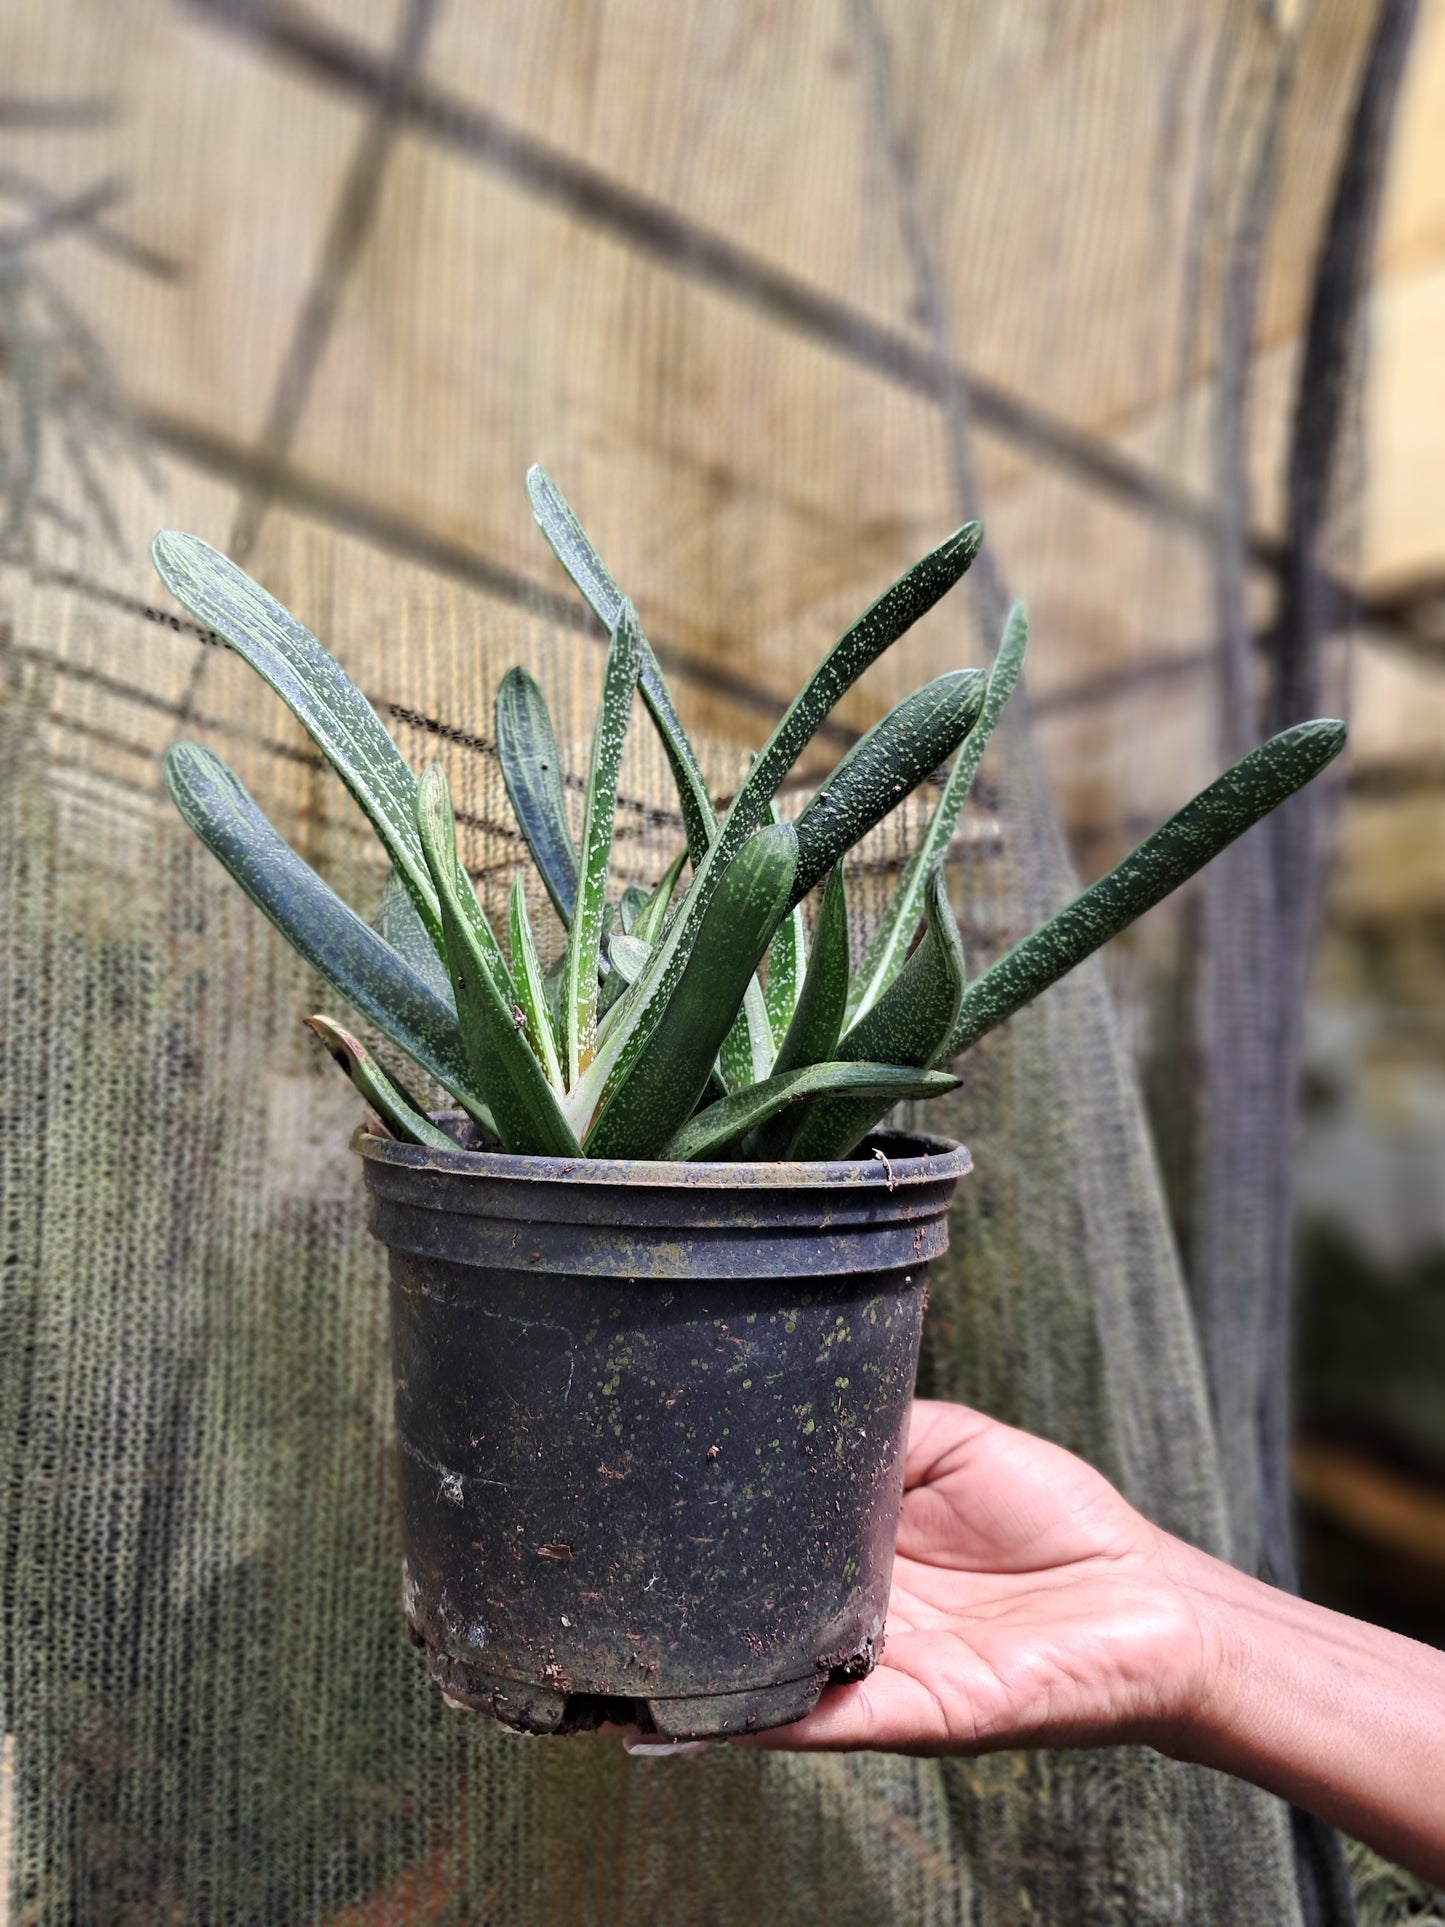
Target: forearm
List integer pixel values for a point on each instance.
(1342, 1718)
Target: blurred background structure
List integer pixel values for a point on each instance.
(779, 293)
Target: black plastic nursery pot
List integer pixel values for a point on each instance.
(651, 1421)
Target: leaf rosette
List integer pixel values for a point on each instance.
(693, 1019)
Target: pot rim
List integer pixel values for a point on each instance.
(939, 1159)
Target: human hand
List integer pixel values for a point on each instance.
(1031, 1605)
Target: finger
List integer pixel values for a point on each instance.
(888, 1712)
(937, 1431)
(646, 1746)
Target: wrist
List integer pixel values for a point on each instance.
(1206, 1691)
(1340, 1717)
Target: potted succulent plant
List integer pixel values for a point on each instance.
(658, 1280)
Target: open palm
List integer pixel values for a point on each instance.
(1030, 1605)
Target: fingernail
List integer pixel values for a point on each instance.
(667, 1749)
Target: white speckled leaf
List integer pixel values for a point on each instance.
(886, 765)
(531, 987)
(885, 954)
(317, 691)
(584, 942)
(722, 1124)
(1232, 803)
(398, 1110)
(327, 932)
(532, 771)
(524, 1105)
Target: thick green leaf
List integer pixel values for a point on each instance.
(748, 1049)
(884, 957)
(628, 955)
(787, 962)
(699, 818)
(574, 550)
(528, 1118)
(746, 1056)
(571, 546)
(665, 1081)
(812, 1037)
(748, 1039)
(318, 692)
(877, 629)
(817, 1024)
(880, 625)
(1231, 804)
(890, 762)
(552, 991)
(652, 919)
(532, 771)
(584, 942)
(327, 932)
(613, 988)
(609, 995)
(721, 1125)
(631, 906)
(398, 922)
(398, 1110)
(908, 1025)
(530, 988)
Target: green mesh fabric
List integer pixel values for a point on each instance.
(779, 295)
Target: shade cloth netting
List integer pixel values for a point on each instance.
(779, 294)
